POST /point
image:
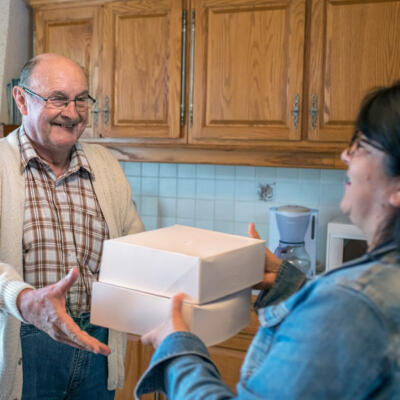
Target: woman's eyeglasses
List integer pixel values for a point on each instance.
(357, 141)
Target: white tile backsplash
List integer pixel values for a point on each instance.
(186, 187)
(149, 186)
(204, 209)
(224, 198)
(186, 170)
(167, 187)
(168, 170)
(150, 169)
(133, 169)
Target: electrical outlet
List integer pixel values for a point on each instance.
(266, 191)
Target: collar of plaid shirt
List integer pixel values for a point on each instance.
(29, 154)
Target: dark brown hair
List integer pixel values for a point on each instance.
(379, 121)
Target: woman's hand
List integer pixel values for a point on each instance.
(174, 323)
(271, 265)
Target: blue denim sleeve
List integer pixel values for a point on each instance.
(332, 345)
(288, 280)
(179, 365)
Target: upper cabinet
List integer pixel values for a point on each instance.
(354, 46)
(73, 33)
(246, 71)
(141, 69)
(257, 82)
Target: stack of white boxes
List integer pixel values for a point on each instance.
(140, 273)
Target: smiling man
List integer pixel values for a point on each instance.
(59, 200)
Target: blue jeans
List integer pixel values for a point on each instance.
(56, 371)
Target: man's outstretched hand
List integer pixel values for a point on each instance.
(45, 309)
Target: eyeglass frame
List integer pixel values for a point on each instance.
(357, 139)
(32, 93)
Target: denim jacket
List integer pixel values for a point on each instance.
(336, 338)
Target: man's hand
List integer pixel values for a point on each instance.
(45, 309)
(271, 265)
(174, 323)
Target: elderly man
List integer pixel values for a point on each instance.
(59, 200)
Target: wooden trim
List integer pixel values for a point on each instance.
(284, 155)
(67, 3)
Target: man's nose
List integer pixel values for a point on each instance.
(70, 110)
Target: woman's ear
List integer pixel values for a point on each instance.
(394, 198)
(20, 100)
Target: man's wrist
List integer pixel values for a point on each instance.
(20, 301)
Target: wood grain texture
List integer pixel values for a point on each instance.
(251, 59)
(142, 68)
(353, 48)
(136, 361)
(288, 156)
(248, 70)
(73, 33)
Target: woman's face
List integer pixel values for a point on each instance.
(368, 191)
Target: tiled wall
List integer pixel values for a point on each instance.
(225, 198)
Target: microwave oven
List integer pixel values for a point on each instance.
(344, 242)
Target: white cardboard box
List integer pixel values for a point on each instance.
(204, 264)
(136, 312)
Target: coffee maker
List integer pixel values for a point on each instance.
(293, 236)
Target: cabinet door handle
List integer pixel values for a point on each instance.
(183, 68)
(314, 111)
(295, 111)
(106, 113)
(192, 67)
(95, 113)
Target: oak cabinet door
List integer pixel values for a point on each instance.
(354, 46)
(247, 71)
(74, 33)
(137, 359)
(141, 69)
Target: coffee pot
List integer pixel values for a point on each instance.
(295, 226)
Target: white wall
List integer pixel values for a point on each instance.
(15, 45)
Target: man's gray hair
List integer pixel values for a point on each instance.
(27, 70)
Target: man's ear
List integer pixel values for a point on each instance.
(20, 100)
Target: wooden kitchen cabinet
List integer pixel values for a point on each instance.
(141, 69)
(248, 71)
(353, 47)
(74, 33)
(227, 356)
(254, 82)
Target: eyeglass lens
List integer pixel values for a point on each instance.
(354, 142)
(80, 103)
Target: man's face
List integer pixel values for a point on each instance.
(53, 129)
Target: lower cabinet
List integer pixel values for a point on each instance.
(227, 356)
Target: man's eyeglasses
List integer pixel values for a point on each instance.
(82, 103)
(357, 141)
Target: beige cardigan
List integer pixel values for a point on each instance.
(115, 199)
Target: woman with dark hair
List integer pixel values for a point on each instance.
(338, 337)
